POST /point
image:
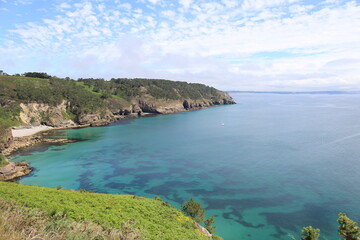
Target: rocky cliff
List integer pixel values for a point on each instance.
(57, 116)
(92, 102)
(41, 113)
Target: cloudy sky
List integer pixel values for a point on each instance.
(229, 44)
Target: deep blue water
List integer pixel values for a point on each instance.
(265, 167)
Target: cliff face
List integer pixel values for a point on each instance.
(56, 116)
(165, 106)
(40, 113)
(64, 102)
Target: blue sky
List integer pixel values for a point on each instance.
(232, 45)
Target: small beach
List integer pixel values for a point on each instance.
(28, 131)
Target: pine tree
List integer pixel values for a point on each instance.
(194, 210)
(348, 228)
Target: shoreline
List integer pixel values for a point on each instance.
(25, 131)
(27, 136)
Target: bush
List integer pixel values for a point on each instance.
(209, 224)
(194, 210)
(215, 237)
(348, 228)
(310, 233)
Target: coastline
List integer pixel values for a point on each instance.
(27, 136)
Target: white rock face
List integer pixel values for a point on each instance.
(38, 113)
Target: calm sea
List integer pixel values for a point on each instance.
(264, 168)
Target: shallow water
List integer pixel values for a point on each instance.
(265, 167)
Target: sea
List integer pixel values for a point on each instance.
(265, 167)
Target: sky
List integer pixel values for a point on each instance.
(258, 45)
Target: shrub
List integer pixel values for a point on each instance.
(310, 233)
(348, 228)
(209, 225)
(215, 237)
(194, 210)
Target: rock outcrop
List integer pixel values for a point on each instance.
(22, 142)
(203, 230)
(165, 106)
(14, 170)
(39, 113)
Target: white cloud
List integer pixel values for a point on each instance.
(258, 4)
(154, 1)
(261, 45)
(186, 3)
(65, 5)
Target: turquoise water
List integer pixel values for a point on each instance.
(276, 164)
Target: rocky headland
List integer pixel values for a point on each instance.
(46, 104)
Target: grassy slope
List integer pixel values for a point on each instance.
(154, 219)
(18, 223)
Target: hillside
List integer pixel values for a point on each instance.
(64, 102)
(39, 99)
(143, 217)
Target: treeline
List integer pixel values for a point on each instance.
(158, 88)
(52, 91)
(28, 74)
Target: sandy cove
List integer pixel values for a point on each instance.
(26, 137)
(28, 131)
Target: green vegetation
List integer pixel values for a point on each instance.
(3, 161)
(88, 96)
(36, 75)
(196, 212)
(17, 89)
(348, 228)
(209, 224)
(157, 88)
(151, 218)
(18, 222)
(310, 233)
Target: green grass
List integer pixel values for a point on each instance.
(87, 88)
(153, 218)
(18, 222)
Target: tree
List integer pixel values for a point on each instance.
(37, 75)
(310, 233)
(348, 228)
(194, 210)
(209, 224)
